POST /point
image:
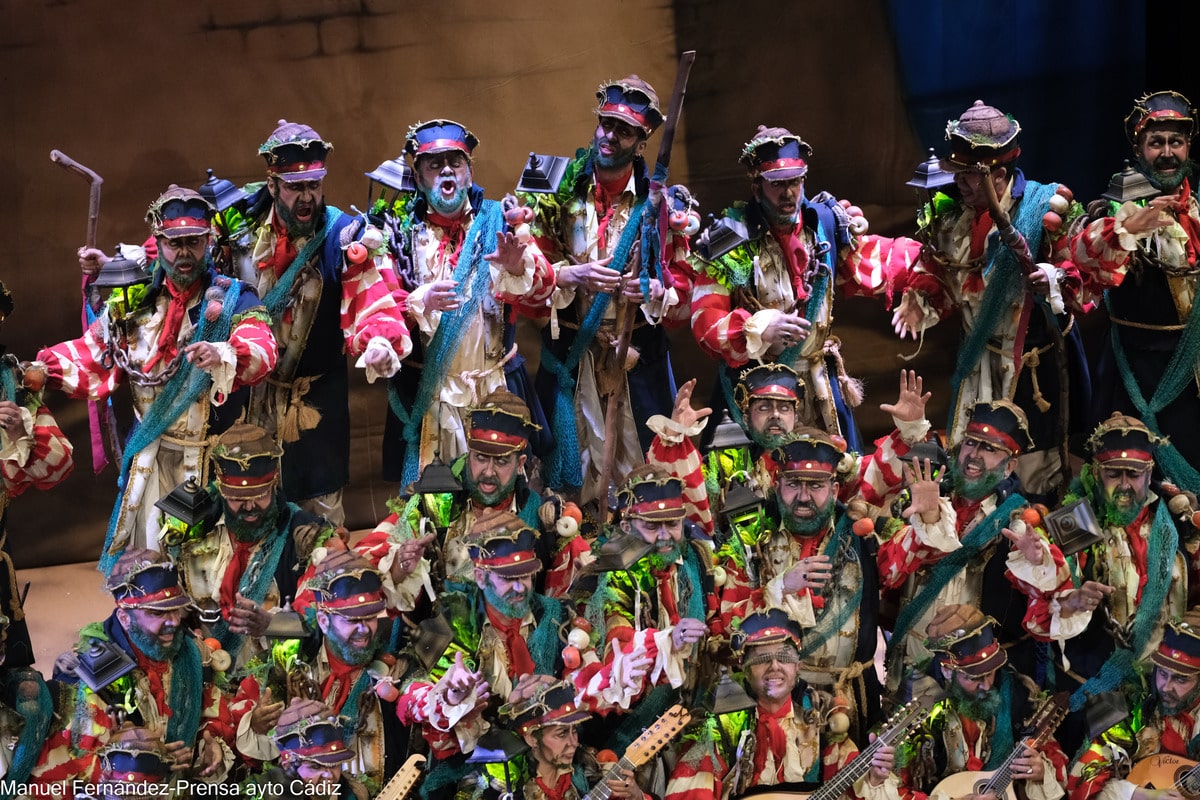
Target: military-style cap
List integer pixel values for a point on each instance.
(1179, 650)
(308, 730)
(766, 627)
(503, 543)
(541, 701)
(135, 754)
(144, 578)
(295, 152)
(346, 584)
(651, 493)
(1159, 107)
(180, 211)
(500, 425)
(775, 154)
(809, 453)
(246, 459)
(1124, 441)
(439, 136)
(1000, 423)
(966, 639)
(982, 135)
(776, 381)
(630, 100)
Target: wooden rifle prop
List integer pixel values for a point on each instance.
(999, 781)
(1020, 248)
(100, 417)
(1168, 771)
(404, 779)
(902, 723)
(644, 748)
(650, 211)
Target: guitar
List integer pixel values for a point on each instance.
(644, 748)
(1166, 771)
(404, 779)
(899, 726)
(999, 781)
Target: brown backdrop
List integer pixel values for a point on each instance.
(148, 94)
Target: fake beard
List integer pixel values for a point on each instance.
(295, 227)
(1159, 179)
(443, 205)
(152, 647)
(977, 488)
(185, 279)
(660, 560)
(488, 499)
(769, 441)
(353, 654)
(1115, 515)
(510, 605)
(981, 706)
(805, 526)
(252, 531)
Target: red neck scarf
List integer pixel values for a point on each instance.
(168, 337)
(1138, 547)
(519, 660)
(795, 254)
(772, 738)
(809, 547)
(154, 674)
(341, 679)
(964, 511)
(232, 579)
(607, 193)
(562, 789)
(666, 592)
(452, 238)
(972, 730)
(285, 252)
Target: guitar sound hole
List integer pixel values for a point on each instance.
(1189, 785)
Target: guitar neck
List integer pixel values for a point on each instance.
(601, 791)
(403, 781)
(861, 764)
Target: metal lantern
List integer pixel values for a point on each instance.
(542, 174)
(187, 511)
(728, 696)
(103, 663)
(1129, 184)
(499, 746)
(929, 175)
(394, 174)
(728, 434)
(221, 193)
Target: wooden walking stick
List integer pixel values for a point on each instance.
(99, 416)
(651, 209)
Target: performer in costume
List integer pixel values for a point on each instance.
(323, 306)
(468, 276)
(764, 291)
(190, 347)
(1142, 256)
(245, 567)
(1015, 325)
(163, 688)
(978, 724)
(792, 736)
(588, 230)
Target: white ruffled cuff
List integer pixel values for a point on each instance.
(912, 432)
(258, 746)
(798, 605)
(669, 664)
(1054, 297)
(888, 790)
(403, 596)
(427, 319)
(222, 772)
(223, 373)
(17, 450)
(1049, 788)
(1066, 626)
(940, 535)
(758, 322)
(514, 285)
(436, 701)
(1043, 577)
(671, 432)
(1126, 240)
(379, 344)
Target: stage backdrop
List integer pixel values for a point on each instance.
(149, 94)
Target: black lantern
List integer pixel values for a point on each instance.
(1129, 184)
(720, 237)
(118, 284)
(728, 696)
(221, 193)
(187, 513)
(542, 174)
(394, 174)
(929, 175)
(499, 746)
(103, 663)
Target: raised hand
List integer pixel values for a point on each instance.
(926, 492)
(911, 402)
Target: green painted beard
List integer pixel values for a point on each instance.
(806, 526)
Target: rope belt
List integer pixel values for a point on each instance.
(847, 681)
(1145, 326)
(299, 416)
(1033, 360)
